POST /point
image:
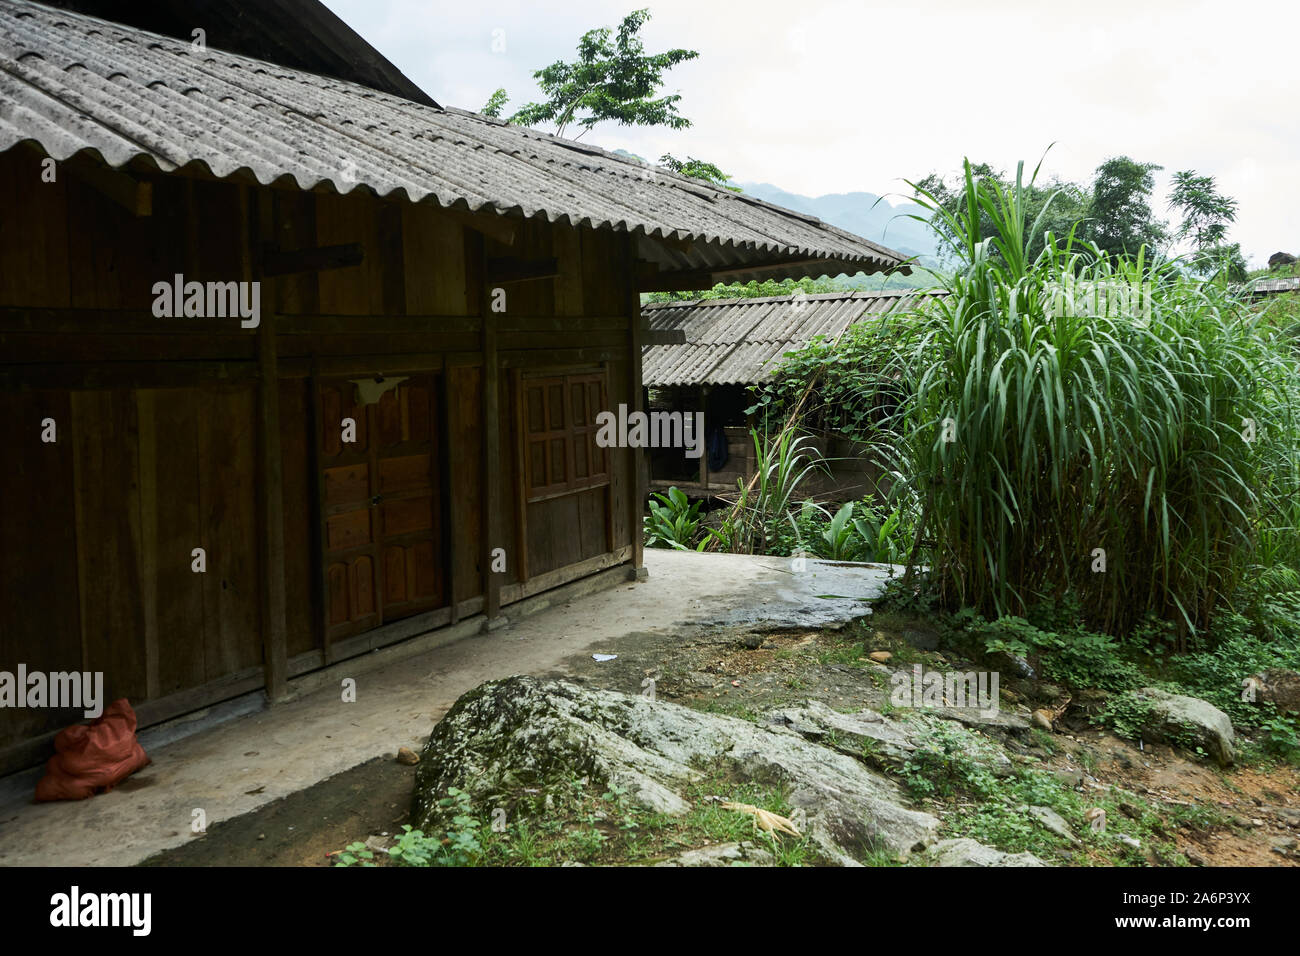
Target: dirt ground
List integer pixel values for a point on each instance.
(303, 828)
(745, 672)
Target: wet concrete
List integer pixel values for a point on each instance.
(251, 759)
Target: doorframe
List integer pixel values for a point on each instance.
(333, 650)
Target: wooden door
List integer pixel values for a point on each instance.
(381, 505)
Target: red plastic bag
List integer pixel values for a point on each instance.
(93, 758)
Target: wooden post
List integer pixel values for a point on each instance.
(521, 485)
(271, 468)
(449, 512)
(146, 428)
(320, 582)
(704, 458)
(491, 460)
(636, 483)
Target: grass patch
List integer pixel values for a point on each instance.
(599, 827)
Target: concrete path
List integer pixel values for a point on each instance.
(238, 765)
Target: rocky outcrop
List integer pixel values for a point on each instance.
(1279, 687)
(967, 852)
(512, 743)
(884, 743)
(723, 854)
(1188, 722)
(1054, 822)
(887, 742)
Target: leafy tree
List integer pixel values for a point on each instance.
(697, 169)
(1122, 220)
(613, 78)
(1065, 203)
(1206, 211)
(1221, 261)
(496, 103)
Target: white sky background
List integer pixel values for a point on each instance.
(822, 97)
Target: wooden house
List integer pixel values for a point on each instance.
(296, 363)
(726, 348)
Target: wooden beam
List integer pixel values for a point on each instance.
(109, 322)
(275, 262)
(681, 245)
(503, 269)
(306, 366)
(90, 375)
(575, 356)
(133, 195)
(561, 576)
(707, 278)
(374, 324)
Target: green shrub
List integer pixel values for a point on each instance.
(857, 531)
(1125, 715)
(1075, 656)
(459, 846)
(950, 761)
(1161, 431)
(762, 519)
(673, 521)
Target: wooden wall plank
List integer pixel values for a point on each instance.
(179, 589)
(148, 501)
(34, 258)
(567, 249)
(433, 250)
(295, 229)
(104, 429)
(466, 504)
(39, 607)
(226, 422)
(354, 290)
(300, 544)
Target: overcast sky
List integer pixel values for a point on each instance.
(821, 97)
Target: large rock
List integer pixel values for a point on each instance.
(1279, 687)
(966, 852)
(1053, 821)
(511, 743)
(883, 742)
(1189, 722)
(722, 854)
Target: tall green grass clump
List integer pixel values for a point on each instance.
(1079, 425)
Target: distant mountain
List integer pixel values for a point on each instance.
(863, 214)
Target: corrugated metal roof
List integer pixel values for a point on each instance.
(72, 83)
(1273, 286)
(302, 34)
(732, 341)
